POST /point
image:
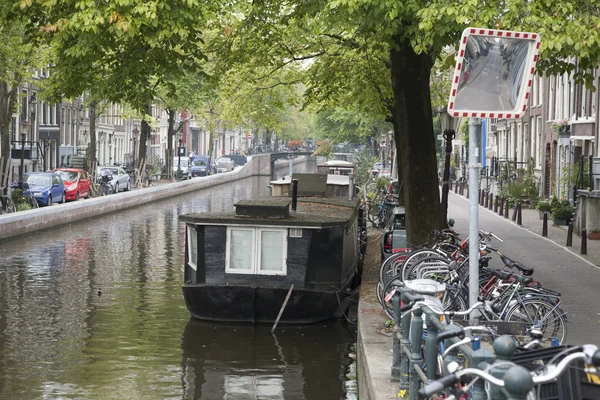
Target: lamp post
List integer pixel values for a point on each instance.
(179, 150)
(449, 126)
(135, 133)
(24, 126)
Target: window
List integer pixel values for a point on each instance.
(192, 247)
(295, 232)
(260, 251)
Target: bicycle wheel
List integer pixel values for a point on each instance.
(374, 214)
(413, 258)
(542, 315)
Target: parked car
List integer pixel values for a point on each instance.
(393, 239)
(77, 183)
(46, 187)
(182, 163)
(121, 181)
(201, 165)
(225, 164)
(238, 159)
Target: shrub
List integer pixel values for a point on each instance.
(564, 211)
(543, 205)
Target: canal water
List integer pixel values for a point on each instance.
(94, 310)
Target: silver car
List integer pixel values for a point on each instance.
(225, 164)
(120, 179)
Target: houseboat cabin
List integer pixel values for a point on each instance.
(240, 266)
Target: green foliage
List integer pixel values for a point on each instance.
(544, 206)
(21, 202)
(561, 209)
(564, 211)
(364, 165)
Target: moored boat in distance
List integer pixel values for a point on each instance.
(241, 266)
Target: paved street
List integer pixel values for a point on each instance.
(557, 267)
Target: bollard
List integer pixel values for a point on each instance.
(455, 186)
(486, 200)
(519, 217)
(461, 189)
(501, 208)
(404, 361)
(514, 215)
(570, 235)
(491, 202)
(467, 195)
(545, 225)
(416, 336)
(504, 347)
(396, 349)
(496, 204)
(431, 350)
(518, 383)
(583, 241)
(506, 205)
(481, 359)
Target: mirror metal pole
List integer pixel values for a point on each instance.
(474, 166)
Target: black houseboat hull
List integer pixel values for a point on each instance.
(243, 303)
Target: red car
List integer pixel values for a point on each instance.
(77, 183)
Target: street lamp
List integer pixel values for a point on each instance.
(179, 150)
(24, 128)
(449, 126)
(135, 133)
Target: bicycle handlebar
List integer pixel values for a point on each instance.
(589, 353)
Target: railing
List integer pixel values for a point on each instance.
(412, 370)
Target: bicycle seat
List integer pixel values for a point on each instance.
(527, 271)
(499, 273)
(515, 264)
(522, 279)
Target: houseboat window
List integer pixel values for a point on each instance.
(296, 232)
(240, 250)
(261, 251)
(192, 247)
(272, 252)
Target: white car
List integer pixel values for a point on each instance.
(225, 164)
(121, 180)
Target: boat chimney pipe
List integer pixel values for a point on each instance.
(351, 188)
(294, 194)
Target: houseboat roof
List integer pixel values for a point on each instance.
(311, 212)
(343, 180)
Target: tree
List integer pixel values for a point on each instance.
(19, 55)
(405, 38)
(121, 51)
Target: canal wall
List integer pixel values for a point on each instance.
(32, 221)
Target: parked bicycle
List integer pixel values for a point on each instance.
(6, 203)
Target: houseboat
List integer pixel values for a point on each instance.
(300, 255)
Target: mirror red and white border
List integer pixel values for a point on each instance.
(521, 104)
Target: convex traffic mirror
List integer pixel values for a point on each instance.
(493, 75)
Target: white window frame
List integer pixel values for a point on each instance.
(191, 259)
(258, 242)
(256, 251)
(230, 270)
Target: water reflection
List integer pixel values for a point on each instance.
(94, 310)
(248, 362)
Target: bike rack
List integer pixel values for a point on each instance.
(412, 370)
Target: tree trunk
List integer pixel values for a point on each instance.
(415, 143)
(92, 160)
(8, 101)
(170, 136)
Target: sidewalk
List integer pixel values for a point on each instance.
(557, 234)
(558, 267)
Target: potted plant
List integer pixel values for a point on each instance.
(594, 234)
(543, 207)
(563, 214)
(562, 127)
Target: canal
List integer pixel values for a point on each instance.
(94, 310)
